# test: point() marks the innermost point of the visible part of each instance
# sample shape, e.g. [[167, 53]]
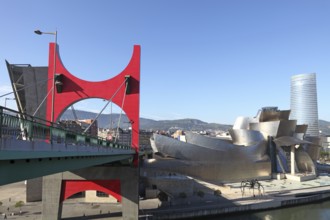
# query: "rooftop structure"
[[81, 125]]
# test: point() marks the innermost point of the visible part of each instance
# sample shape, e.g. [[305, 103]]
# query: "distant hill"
[[324, 126], [148, 124], [184, 124], [104, 121]]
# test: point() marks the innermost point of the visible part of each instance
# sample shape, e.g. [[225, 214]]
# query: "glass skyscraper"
[[304, 102]]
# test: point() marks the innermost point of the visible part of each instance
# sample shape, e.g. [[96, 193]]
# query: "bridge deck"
[[31, 147]]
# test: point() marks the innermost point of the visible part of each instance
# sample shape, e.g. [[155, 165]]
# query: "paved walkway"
[[275, 191], [72, 208]]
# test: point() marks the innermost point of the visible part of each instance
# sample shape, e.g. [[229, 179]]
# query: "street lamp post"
[[54, 69], [8, 99]]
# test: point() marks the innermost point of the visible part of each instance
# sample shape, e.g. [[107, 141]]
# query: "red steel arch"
[[71, 187], [75, 89]]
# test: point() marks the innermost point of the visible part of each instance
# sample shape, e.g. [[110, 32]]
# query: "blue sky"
[[209, 60]]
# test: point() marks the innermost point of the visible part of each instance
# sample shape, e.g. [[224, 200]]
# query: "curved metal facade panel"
[[215, 159], [213, 171], [304, 162], [314, 149], [242, 123], [275, 128], [245, 137], [274, 115], [304, 102], [246, 156], [208, 142], [256, 152], [184, 151]]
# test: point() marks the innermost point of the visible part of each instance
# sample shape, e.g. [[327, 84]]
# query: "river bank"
[[277, 194]]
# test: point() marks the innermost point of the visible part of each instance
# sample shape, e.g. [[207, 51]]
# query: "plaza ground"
[[276, 193]]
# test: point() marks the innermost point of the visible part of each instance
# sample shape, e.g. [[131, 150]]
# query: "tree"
[[162, 196]]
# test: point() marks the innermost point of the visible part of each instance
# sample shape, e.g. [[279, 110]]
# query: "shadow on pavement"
[[100, 216]]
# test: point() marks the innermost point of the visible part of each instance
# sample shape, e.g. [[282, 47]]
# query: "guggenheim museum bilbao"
[[269, 145]]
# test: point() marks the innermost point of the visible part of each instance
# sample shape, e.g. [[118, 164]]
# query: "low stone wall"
[[174, 185]]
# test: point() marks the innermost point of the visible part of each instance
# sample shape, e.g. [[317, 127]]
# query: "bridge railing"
[[21, 126]]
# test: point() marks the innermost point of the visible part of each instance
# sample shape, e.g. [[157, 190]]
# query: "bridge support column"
[[130, 193], [292, 155], [51, 197], [129, 189]]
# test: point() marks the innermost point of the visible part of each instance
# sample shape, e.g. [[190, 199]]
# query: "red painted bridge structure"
[[73, 89]]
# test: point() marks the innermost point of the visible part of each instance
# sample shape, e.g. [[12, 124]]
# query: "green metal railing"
[[21, 126]]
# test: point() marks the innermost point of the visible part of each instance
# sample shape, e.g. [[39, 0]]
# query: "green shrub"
[[200, 193], [183, 195], [217, 192], [162, 196], [95, 206], [324, 154], [19, 204]]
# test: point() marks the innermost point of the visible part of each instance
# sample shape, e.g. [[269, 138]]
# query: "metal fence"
[[25, 127]]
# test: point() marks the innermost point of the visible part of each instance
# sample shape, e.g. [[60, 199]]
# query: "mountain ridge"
[[187, 124]]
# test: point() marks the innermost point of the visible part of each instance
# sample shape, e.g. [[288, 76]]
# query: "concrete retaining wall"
[[174, 185], [216, 210]]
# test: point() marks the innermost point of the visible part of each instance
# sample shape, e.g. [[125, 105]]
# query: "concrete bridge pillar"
[[130, 194], [51, 197], [129, 189], [292, 155]]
